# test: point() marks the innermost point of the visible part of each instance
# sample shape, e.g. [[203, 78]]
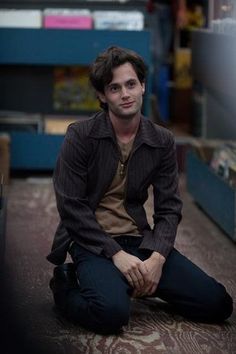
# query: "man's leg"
[[191, 292], [101, 303]]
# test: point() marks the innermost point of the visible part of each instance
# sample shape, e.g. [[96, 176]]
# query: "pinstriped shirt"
[[85, 168]]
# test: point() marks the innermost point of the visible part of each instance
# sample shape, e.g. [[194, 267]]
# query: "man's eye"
[[114, 88], [131, 84]]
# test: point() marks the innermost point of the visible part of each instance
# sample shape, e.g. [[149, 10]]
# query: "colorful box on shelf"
[[182, 68], [118, 20], [67, 19], [20, 18]]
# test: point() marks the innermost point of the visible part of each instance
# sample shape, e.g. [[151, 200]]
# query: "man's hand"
[[152, 276], [142, 276], [133, 269]]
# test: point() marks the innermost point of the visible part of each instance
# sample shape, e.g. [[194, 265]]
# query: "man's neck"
[[125, 129]]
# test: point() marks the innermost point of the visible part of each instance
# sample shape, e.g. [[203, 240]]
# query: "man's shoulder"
[[82, 127], [162, 134]]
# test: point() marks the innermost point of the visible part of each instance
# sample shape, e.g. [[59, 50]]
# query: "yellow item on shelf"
[[182, 68]]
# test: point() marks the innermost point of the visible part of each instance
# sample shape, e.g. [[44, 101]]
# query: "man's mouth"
[[127, 104]]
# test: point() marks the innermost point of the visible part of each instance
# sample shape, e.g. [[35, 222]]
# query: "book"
[[72, 90]]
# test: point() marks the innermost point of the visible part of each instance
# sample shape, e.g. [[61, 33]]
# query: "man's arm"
[[70, 184], [167, 203], [145, 276], [167, 214]]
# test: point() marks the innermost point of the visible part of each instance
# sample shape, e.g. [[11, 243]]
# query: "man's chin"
[[128, 114]]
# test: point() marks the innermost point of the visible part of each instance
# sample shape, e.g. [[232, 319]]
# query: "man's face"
[[124, 94]]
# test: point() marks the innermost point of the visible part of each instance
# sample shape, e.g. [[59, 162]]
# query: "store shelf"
[[34, 151], [44, 48], [212, 193], [57, 47]]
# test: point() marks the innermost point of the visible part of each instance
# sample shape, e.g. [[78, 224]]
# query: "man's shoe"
[[64, 278]]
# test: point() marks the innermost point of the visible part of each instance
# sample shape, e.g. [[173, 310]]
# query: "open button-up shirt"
[[86, 167]]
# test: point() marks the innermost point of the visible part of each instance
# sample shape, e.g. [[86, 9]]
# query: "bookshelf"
[[31, 54]]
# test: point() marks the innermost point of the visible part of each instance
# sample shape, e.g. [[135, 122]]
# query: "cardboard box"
[[54, 125], [58, 124], [211, 192]]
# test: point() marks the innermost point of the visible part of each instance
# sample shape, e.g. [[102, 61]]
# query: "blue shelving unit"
[[54, 47], [49, 47], [32, 151]]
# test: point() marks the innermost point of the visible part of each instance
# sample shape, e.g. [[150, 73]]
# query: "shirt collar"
[[148, 132]]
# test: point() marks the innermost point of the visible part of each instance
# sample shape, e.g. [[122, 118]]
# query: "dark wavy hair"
[[101, 70]]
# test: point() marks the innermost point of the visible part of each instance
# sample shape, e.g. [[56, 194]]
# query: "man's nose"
[[124, 92]]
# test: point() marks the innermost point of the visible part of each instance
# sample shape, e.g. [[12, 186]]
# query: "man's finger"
[[130, 280], [143, 269], [152, 289], [137, 279]]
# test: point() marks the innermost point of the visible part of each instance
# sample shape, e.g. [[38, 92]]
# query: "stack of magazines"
[[224, 162]]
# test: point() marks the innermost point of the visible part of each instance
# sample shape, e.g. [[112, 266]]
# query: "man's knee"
[[221, 305], [112, 317], [216, 306], [212, 305], [102, 318]]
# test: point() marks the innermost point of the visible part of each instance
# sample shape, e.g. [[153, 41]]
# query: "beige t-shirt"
[[111, 214]]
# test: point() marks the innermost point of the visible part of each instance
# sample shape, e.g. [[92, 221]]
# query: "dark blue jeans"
[[102, 301]]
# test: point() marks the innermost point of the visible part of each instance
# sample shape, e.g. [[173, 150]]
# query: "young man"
[[102, 176]]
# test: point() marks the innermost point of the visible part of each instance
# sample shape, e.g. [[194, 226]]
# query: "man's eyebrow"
[[113, 84], [118, 84]]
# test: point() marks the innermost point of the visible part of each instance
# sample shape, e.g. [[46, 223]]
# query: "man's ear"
[[101, 97], [143, 87]]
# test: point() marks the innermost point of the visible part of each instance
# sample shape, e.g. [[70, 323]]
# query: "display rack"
[[43, 48]]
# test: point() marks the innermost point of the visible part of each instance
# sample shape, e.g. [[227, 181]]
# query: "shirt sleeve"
[[167, 203], [70, 185]]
